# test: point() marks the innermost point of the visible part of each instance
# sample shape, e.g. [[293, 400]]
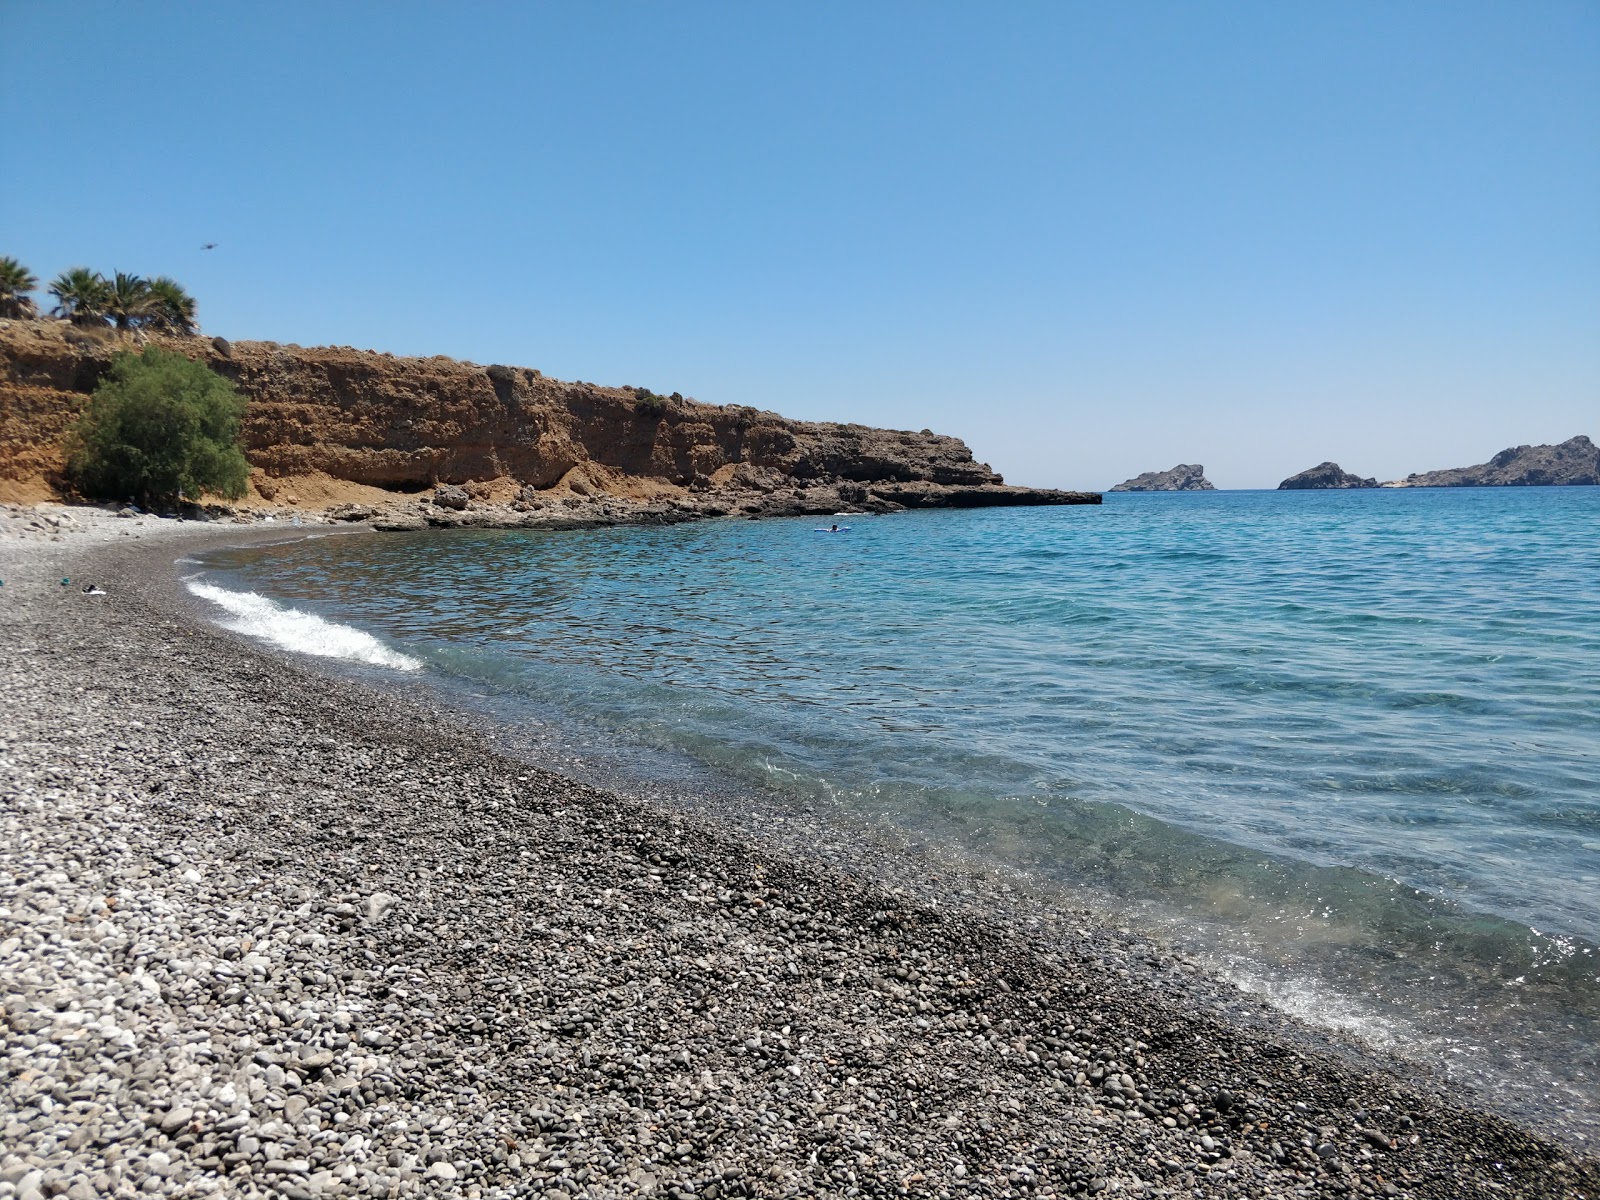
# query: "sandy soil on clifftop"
[[265, 932]]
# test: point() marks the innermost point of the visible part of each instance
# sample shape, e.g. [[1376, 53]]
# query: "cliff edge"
[[333, 423]]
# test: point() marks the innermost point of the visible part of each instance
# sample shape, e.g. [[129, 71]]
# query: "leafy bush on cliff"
[[647, 404], [159, 427], [16, 281]]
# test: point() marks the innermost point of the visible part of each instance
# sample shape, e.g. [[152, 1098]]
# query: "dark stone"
[[448, 495]]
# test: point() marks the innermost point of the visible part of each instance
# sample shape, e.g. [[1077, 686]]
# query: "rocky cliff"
[[1322, 476], [337, 423], [1573, 462], [1184, 477]]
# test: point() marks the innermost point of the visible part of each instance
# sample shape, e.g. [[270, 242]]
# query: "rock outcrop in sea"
[[1575, 462], [1324, 476], [1185, 477], [335, 425]]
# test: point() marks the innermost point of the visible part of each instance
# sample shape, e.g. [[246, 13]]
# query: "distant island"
[[1324, 476], [1185, 477], [1575, 462]]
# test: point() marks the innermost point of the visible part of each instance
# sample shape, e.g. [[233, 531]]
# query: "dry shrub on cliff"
[[159, 428]]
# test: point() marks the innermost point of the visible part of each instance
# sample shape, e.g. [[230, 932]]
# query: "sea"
[[1343, 747]]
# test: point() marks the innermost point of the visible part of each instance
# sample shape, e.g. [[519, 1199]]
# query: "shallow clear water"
[[1346, 744]]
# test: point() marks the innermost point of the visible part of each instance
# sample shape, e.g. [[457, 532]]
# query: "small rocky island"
[[1575, 462], [1328, 475], [1185, 477]]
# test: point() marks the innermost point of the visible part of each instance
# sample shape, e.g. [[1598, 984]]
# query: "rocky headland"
[[1184, 477], [1323, 476], [1574, 462], [268, 933], [418, 441]]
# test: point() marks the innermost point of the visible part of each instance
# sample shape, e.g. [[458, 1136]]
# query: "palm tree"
[[130, 304], [16, 281], [173, 309], [83, 296]]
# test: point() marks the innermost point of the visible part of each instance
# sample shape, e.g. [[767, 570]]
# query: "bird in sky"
[[209, 246]]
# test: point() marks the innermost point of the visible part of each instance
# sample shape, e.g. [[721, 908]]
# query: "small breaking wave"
[[302, 632]]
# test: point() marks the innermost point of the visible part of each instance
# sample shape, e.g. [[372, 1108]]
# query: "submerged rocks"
[[1185, 477], [1326, 475]]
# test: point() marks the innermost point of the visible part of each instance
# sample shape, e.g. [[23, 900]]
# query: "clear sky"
[[1092, 239]]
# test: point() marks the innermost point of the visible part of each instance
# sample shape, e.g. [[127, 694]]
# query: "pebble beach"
[[269, 932]]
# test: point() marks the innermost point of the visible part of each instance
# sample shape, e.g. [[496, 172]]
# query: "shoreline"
[[502, 979]]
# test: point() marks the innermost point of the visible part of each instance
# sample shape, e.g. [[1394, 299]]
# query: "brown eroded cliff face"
[[46, 369], [407, 424]]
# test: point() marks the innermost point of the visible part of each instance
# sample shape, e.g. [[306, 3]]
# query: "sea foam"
[[302, 632]]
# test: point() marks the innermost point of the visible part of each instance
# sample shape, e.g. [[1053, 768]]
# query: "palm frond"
[[16, 281], [173, 308], [83, 296], [130, 305]]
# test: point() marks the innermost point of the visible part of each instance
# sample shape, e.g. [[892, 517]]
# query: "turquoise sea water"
[[1344, 745]]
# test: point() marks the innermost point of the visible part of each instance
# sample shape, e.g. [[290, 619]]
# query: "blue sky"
[[1091, 239]]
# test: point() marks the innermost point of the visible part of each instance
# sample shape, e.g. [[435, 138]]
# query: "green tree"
[[159, 427], [172, 308], [82, 296], [16, 281], [128, 301]]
